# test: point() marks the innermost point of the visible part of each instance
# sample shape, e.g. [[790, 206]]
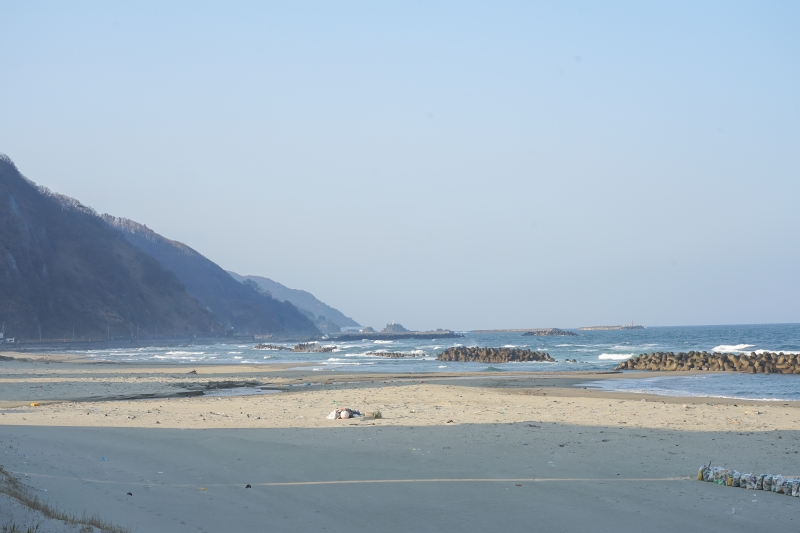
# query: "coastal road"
[[471, 477]]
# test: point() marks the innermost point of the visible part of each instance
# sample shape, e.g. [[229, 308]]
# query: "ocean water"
[[773, 387], [593, 350]]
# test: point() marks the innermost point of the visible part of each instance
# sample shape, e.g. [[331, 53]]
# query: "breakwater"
[[549, 332], [306, 347], [609, 328], [421, 335], [313, 347], [492, 355], [392, 355], [755, 363]]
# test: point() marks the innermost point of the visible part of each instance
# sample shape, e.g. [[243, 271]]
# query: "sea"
[[587, 351]]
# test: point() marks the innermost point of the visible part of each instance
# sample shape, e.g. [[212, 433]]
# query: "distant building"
[[367, 330]]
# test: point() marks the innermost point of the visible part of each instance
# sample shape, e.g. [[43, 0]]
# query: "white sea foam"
[[614, 356], [509, 346], [728, 348], [383, 342]]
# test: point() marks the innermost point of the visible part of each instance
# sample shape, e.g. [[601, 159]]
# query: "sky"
[[440, 164]]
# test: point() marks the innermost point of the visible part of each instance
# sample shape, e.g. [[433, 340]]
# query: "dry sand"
[[451, 451]]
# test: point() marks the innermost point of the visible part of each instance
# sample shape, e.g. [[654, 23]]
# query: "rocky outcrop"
[[270, 347], [549, 332], [312, 347], [393, 355], [492, 355], [762, 363], [394, 328]]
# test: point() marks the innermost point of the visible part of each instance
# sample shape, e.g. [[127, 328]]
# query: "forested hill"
[[63, 267], [232, 303]]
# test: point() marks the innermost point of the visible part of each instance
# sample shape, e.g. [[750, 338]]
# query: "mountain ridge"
[[65, 273], [235, 305], [301, 299]]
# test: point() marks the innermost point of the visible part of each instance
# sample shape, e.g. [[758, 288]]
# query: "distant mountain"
[[232, 303], [324, 316], [64, 270]]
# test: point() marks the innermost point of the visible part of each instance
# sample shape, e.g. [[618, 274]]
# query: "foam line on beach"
[[361, 481]]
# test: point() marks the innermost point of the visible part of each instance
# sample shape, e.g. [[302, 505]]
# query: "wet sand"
[[519, 451]]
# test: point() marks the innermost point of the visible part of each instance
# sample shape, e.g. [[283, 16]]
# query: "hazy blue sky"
[[462, 165]]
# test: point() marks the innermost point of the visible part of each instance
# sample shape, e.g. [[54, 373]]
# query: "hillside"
[[62, 267], [303, 300], [232, 303]]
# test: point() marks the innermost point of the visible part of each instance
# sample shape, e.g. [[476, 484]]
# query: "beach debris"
[[130, 494], [450, 421], [248, 486], [755, 363], [103, 459], [343, 413], [376, 415], [34, 404], [192, 372], [733, 478]]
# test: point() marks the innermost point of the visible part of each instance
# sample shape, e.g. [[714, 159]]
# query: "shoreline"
[[512, 444], [52, 381], [163, 378]]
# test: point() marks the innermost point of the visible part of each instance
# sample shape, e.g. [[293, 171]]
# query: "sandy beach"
[[467, 451]]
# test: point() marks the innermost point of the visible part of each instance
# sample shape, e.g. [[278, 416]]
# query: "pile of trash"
[[734, 478], [344, 412]]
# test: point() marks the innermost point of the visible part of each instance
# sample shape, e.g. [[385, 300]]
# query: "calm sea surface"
[[592, 350]]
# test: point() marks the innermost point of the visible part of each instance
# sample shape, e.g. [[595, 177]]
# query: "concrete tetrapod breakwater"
[[392, 355], [765, 362], [492, 355]]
